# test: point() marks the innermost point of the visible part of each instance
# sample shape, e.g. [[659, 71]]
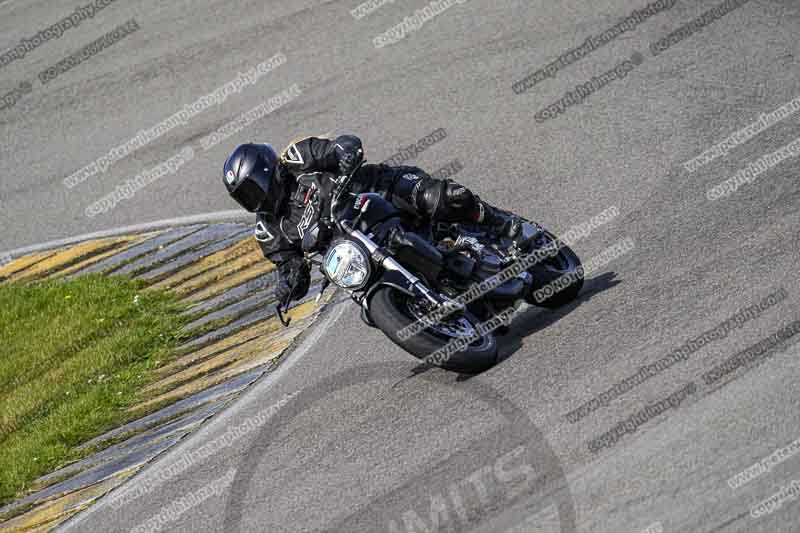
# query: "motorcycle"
[[434, 290]]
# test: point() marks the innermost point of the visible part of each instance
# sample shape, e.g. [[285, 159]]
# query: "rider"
[[288, 200]]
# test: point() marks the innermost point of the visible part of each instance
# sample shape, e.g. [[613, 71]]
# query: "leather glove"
[[293, 274], [349, 153]]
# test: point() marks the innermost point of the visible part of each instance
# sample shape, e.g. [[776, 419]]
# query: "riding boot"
[[496, 221], [505, 224]]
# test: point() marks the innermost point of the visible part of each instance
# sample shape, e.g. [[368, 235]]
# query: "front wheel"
[[393, 311], [558, 279]]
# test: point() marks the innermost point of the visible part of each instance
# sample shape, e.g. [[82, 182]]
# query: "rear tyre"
[[393, 310]]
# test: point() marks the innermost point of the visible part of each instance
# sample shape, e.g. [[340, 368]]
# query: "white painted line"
[[138, 228]]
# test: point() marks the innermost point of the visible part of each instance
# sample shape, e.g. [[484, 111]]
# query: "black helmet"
[[253, 179]]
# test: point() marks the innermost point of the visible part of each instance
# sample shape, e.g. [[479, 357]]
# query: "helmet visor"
[[249, 194]]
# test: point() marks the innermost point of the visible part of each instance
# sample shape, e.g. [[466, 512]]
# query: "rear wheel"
[[557, 280], [393, 311]]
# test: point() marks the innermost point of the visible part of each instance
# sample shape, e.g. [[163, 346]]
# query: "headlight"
[[347, 265]]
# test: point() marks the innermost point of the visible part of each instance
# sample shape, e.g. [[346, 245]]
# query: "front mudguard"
[[388, 278]]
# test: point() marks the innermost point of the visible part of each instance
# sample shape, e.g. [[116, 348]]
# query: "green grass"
[[74, 355]]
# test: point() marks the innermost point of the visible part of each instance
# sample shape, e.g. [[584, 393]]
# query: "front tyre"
[[557, 279], [393, 311]]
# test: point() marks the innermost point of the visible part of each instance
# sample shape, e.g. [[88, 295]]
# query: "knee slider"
[[431, 198], [456, 203]]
